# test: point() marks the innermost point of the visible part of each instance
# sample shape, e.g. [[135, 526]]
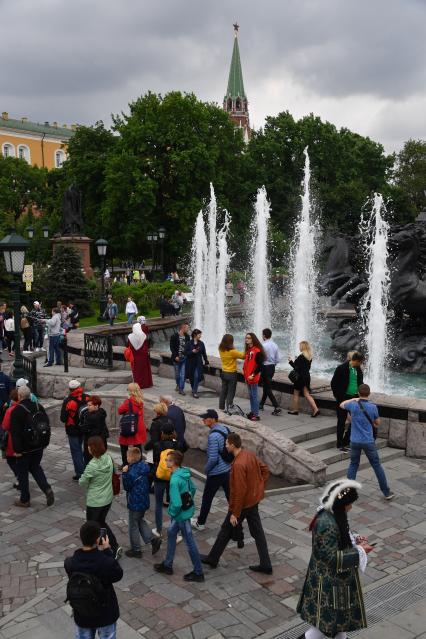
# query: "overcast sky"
[[358, 63]]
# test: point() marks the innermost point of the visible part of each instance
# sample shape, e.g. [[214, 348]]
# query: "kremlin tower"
[[235, 101]]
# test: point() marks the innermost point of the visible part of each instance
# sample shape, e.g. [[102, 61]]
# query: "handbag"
[[129, 423], [115, 483], [293, 376], [128, 355], [375, 429]]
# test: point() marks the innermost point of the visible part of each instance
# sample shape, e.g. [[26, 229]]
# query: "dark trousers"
[[342, 437], [28, 338], [11, 462], [123, 448], [256, 531], [212, 485], [99, 514], [54, 350], [38, 336], [267, 373], [10, 339], [30, 463], [227, 392]]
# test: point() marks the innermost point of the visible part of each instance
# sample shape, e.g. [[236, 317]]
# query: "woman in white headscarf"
[[141, 367]]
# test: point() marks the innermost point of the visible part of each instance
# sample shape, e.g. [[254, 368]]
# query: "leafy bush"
[[146, 295]]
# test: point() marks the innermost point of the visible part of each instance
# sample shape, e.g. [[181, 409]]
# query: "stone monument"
[[72, 228]]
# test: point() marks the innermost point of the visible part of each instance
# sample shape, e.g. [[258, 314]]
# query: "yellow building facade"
[[44, 145]]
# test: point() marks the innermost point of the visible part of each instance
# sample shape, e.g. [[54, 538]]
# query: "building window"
[[229, 104], [59, 158], [8, 150], [238, 104], [24, 153]]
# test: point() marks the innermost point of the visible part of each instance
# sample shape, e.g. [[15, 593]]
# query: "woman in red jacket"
[[9, 453], [135, 404], [254, 356]]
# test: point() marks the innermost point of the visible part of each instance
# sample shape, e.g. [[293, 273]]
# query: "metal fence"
[[29, 364], [98, 351]]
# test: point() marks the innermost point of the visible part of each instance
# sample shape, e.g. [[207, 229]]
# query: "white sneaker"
[[43, 349], [179, 538], [26, 352], [37, 349], [156, 533], [196, 525]]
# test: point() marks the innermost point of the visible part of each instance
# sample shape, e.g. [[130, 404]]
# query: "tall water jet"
[[303, 274], [259, 294], [210, 263], [374, 310]]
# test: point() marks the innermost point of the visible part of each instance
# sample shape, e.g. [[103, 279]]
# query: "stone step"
[[314, 431], [340, 468], [327, 444]]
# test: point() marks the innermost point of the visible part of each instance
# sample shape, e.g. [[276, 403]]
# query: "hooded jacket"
[[180, 482], [136, 485], [102, 564], [69, 410], [97, 477]]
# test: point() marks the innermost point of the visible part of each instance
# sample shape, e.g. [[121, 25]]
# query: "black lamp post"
[[14, 247], [162, 235], [102, 246], [152, 239], [45, 230], [30, 232]]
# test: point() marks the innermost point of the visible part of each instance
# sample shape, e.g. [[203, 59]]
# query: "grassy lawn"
[[93, 320]]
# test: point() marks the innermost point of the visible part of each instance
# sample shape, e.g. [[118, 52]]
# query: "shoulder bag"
[[375, 429]]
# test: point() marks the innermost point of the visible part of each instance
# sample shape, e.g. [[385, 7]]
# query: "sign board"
[[28, 286], [28, 274]]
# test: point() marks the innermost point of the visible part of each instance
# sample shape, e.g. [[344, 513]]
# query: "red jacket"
[[9, 452], [69, 409], [251, 365], [140, 437]]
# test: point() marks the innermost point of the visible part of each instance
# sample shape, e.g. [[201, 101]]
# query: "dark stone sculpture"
[[72, 221], [408, 288]]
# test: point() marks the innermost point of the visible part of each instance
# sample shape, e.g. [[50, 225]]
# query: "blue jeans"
[[185, 528], [138, 528], [76, 448], [254, 400], [130, 318], [373, 457], [160, 487], [180, 373], [106, 632], [196, 379], [54, 350]]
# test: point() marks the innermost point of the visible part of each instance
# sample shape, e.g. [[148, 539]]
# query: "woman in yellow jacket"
[[228, 355]]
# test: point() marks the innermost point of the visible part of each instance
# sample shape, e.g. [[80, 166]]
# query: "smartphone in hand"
[[103, 535]]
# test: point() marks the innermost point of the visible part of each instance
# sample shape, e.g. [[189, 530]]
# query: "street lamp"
[[45, 230], [30, 232], [152, 239], [102, 246], [162, 235], [14, 247]]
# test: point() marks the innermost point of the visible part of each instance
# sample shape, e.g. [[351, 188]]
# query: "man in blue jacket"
[[216, 469]]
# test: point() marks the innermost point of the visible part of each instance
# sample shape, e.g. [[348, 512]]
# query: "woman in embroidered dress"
[[331, 600]]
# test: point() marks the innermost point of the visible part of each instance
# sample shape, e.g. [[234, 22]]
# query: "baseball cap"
[[210, 414], [74, 384], [21, 382]]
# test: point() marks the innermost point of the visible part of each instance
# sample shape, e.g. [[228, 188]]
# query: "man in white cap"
[[24, 382], [70, 416]]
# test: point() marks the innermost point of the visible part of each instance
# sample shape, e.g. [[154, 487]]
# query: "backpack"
[[86, 594], [81, 414], [162, 471], [81, 406], [226, 456], [235, 410], [129, 423], [24, 322], [36, 433]]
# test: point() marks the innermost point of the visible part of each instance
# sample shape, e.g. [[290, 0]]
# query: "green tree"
[[410, 176], [21, 187], [63, 280]]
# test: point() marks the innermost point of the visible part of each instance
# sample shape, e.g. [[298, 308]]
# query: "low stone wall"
[[283, 457]]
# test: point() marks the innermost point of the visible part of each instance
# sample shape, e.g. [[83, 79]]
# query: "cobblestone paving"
[[232, 602]]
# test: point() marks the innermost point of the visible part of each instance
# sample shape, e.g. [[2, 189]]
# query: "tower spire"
[[235, 100]]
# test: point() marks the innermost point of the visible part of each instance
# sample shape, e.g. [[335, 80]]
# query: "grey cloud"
[[82, 60]]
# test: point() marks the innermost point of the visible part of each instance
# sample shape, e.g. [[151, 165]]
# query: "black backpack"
[[129, 423], [224, 454], [86, 594], [81, 405], [36, 433]]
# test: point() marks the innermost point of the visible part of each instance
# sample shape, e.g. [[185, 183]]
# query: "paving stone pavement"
[[232, 602]]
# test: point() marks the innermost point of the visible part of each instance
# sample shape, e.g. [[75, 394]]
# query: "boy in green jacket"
[[181, 509]]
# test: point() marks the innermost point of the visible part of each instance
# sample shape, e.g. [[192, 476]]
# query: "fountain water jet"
[[303, 272], [375, 304], [210, 263], [259, 297]]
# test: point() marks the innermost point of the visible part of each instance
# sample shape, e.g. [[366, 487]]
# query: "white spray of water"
[[259, 296], [374, 309], [210, 263], [303, 273]]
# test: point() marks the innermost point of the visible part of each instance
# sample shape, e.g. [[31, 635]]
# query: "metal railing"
[[98, 351], [29, 364]]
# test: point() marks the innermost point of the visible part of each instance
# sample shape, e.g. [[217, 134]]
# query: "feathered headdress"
[[340, 489]]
